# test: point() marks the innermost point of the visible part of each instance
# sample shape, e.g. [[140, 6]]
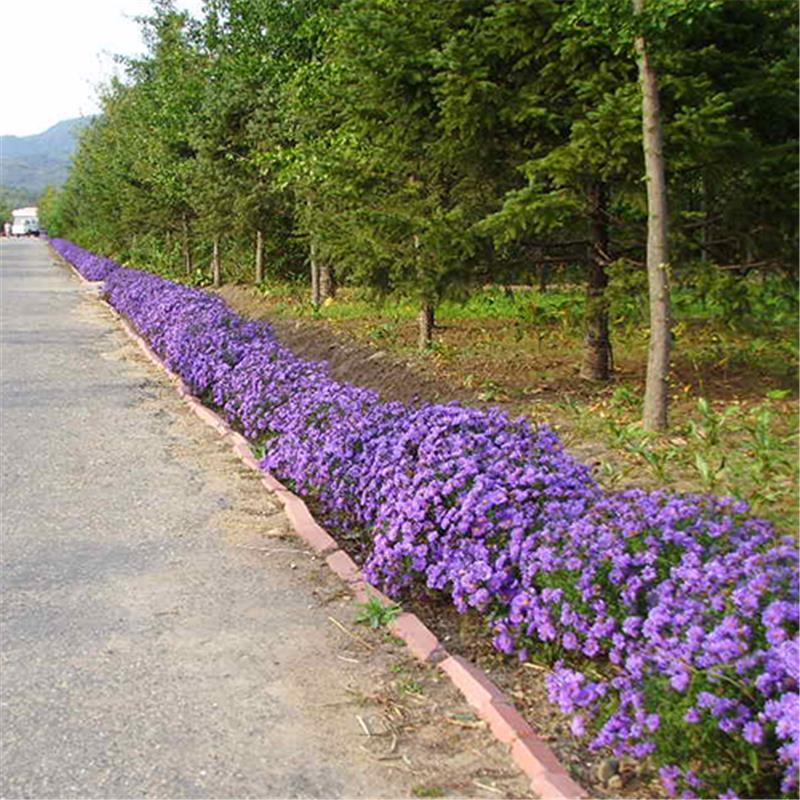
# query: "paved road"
[[159, 637]]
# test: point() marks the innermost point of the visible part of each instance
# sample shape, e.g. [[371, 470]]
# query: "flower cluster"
[[673, 618], [92, 266]]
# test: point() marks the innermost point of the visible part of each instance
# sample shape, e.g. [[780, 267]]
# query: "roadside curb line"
[[548, 777]]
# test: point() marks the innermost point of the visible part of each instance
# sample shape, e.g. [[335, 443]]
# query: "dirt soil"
[[350, 361]]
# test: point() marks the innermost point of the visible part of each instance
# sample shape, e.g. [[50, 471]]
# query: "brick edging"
[[548, 777]]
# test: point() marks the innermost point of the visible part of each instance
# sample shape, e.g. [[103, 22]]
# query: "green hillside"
[[30, 163]]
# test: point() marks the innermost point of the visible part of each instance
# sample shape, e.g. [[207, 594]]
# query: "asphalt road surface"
[[159, 637]]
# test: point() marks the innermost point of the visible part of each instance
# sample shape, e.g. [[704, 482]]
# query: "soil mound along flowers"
[[671, 620]]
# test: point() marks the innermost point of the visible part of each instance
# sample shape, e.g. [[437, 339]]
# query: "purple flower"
[[753, 733], [692, 716], [669, 778], [577, 726]]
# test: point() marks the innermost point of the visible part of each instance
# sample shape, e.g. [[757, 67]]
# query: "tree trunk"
[[705, 230], [425, 321], [544, 277], [188, 263], [425, 318], [259, 256], [216, 271], [596, 365], [316, 284], [327, 281], [316, 297], [656, 394]]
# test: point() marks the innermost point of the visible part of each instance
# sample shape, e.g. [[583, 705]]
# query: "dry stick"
[[380, 758], [464, 724], [420, 701], [269, 551], [364, 725], [352, 635], [487, 787]]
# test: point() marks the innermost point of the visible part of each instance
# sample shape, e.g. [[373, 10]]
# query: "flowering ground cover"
[[671, 620], [93, 267]]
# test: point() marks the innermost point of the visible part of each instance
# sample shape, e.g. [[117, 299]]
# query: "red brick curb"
[[506, 722], [344, 566], [305, 526], [473, 683], [364, 592], [418, 637], [273, 484], [207, 415], [549, 779]]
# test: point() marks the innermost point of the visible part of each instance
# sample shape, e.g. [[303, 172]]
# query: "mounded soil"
[[350, 361]]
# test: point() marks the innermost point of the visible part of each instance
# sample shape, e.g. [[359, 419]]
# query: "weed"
[[609, 474], [490, 391], [420, 790], [709, 476], [410, 686], [707, 431], [628, 435], [199, 278], [657, 458], [385, 332], [259, 450], [377, 615], [767, 449], [623, 397], [778, 394]]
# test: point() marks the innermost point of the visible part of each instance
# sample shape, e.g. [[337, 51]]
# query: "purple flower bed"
[[92, 266], [672, 620]]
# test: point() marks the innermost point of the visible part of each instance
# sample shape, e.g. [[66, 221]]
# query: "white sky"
[[55, 53]]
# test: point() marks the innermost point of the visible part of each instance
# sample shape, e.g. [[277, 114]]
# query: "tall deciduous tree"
[[656, 396]]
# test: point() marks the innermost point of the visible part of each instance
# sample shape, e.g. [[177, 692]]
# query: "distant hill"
[[30, 163]]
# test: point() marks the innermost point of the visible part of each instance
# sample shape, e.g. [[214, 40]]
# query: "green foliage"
[[748, 452], [50, 212], [423, 790], [12, 197], [425, 150], [377, 615]]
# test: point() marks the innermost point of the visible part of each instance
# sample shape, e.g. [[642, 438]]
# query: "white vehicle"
[[25, 221]]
